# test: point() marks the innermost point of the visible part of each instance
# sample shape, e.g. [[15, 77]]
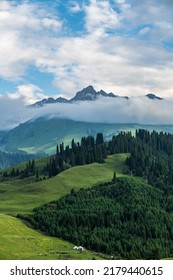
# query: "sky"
[[56, 48]]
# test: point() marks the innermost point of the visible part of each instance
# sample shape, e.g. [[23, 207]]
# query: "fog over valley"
[[103, 110]]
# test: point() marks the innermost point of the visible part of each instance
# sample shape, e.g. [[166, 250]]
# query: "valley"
[[131, 172], [86, 133], [40, 136]]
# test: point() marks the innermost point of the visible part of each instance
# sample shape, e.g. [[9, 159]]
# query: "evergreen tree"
[[114, 179]]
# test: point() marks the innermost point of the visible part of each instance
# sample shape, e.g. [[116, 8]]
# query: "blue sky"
[[53, 48]]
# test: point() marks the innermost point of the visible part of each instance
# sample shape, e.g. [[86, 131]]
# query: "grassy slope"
[[22, 196], [39, 162], [20, 242]]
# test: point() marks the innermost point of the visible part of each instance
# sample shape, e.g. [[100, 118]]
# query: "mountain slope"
[[128, 219], [19, 242], [42, 135], [21, 196]]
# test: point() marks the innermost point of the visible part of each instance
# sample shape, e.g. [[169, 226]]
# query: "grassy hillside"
[[39, 162], [18, 242], [127, 218], [21, 196]]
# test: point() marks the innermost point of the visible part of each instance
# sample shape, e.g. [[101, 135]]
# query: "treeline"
[[152, 158], [151, 155], [11, 159], [125, 218], [89, 150], [29, 170]]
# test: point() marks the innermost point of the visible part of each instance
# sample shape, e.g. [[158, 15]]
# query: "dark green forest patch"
[[126, 218]]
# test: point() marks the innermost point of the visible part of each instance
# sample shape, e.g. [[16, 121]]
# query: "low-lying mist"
[[104, 110]]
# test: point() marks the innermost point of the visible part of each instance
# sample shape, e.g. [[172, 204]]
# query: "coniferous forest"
[[11, 159], [126, 217], [151, 156]]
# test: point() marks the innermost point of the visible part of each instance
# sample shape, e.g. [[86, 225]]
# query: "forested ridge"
[[126, 219], [151, 156], [11, 159]]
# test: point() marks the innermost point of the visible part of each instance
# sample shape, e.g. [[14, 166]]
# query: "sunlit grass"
[[23, 195], [19, 242]]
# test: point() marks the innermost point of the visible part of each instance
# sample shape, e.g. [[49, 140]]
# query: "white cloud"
[[120, 1], [113, 110], [13, 112], [145, 30], [100, 17], [25, 31], [28, 93], [75, 7], [104, 110], [127, 69], [109, 56]]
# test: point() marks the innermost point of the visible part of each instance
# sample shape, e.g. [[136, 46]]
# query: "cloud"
[[13, 112], [75, 7], [29, 93], [140, 110], [100, 17], [121, 47], [113, 110], [135, 68], [145, 30], [25, 32], [166, 2], [13, 106]]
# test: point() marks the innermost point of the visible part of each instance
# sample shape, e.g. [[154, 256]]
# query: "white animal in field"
[[79, 248]]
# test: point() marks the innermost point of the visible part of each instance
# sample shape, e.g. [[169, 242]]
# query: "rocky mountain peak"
[[86, 94], [153, 96]]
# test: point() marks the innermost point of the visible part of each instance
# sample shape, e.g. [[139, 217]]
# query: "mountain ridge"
[[86, 94]]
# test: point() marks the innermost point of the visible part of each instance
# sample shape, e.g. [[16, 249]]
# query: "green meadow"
[[21, 196], [21, 242], [17, 240]]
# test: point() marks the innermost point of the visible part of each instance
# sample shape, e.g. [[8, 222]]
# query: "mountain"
[[42, 135], [11, 159], [153, 96], [49, 100], [86, 94], [2, 134], [89, 93]]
